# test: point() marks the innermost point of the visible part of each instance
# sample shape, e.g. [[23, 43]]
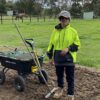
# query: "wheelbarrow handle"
[[30, 42], [29, 39]]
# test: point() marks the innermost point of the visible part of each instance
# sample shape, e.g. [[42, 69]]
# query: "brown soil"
[[87, 86]]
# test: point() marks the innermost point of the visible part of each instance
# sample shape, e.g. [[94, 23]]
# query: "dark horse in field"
[[20, 16]]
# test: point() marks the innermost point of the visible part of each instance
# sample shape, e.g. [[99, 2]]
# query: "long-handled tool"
[[35, 58]]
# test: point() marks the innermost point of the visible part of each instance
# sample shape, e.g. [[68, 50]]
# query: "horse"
[[20, 16]]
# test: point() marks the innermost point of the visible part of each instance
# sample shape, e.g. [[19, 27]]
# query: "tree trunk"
[[1, 19]]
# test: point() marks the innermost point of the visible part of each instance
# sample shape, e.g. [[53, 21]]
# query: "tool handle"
[[52, 91]]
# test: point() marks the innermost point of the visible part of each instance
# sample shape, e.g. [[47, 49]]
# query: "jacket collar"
[[60, 27]]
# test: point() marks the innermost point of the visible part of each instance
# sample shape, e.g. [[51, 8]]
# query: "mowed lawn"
[[88, 30]]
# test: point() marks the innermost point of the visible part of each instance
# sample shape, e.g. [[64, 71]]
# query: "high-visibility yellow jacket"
[[64, 38]]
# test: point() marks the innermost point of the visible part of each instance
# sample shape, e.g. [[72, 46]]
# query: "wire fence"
[[30, 19]]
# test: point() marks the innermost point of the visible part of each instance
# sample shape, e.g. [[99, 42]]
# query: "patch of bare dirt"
[[87, 86]]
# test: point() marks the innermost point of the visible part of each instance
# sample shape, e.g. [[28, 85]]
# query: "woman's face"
[[64, 21]]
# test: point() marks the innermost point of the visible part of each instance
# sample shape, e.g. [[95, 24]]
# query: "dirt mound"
[[87, 86]]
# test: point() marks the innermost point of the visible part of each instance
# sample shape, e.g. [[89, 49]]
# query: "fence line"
[[36, 18]]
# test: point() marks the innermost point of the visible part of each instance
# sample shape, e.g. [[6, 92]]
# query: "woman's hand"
[[63, 52]]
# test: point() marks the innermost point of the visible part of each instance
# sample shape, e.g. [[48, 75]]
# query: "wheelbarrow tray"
[[22, 62]]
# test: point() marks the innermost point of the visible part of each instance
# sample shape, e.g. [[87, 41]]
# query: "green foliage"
[[37, 9], [2, 6], [9, 6], [3, 1], [87, 7], [76, 10], [96, 7], [22, 6]]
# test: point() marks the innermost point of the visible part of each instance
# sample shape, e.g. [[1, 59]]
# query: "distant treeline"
[[51, 7]]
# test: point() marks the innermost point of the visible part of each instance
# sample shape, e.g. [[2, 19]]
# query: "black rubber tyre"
[[44, 73], [19, 83], [2, 77]]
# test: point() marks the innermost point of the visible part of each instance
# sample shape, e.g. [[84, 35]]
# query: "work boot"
[[58, 93], [70, 97]]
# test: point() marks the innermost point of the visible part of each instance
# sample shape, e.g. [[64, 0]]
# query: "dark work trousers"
[[69, 71]]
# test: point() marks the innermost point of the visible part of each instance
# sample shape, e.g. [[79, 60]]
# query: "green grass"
[[88, 30]]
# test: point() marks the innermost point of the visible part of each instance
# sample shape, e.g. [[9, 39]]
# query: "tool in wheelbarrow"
[[35, 58]]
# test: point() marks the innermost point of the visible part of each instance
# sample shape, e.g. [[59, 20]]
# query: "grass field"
[[88, 30]]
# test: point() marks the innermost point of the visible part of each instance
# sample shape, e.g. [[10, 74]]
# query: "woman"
[[64, 43]]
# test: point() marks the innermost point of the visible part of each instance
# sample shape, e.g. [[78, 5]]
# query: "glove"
[[49, 54]]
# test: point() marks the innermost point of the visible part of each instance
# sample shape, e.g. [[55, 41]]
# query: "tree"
[[2, 6], [76, 10], [3, 1], [96, 7], [87, 7], [9, 6], [76, 1], [53, 7], [28, 6], [37, 9]]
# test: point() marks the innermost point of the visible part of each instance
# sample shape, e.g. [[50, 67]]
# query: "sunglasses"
[[63, 18]]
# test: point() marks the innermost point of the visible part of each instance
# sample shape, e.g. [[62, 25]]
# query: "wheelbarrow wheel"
[[2, 77], [44, 73], [19, 83]]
